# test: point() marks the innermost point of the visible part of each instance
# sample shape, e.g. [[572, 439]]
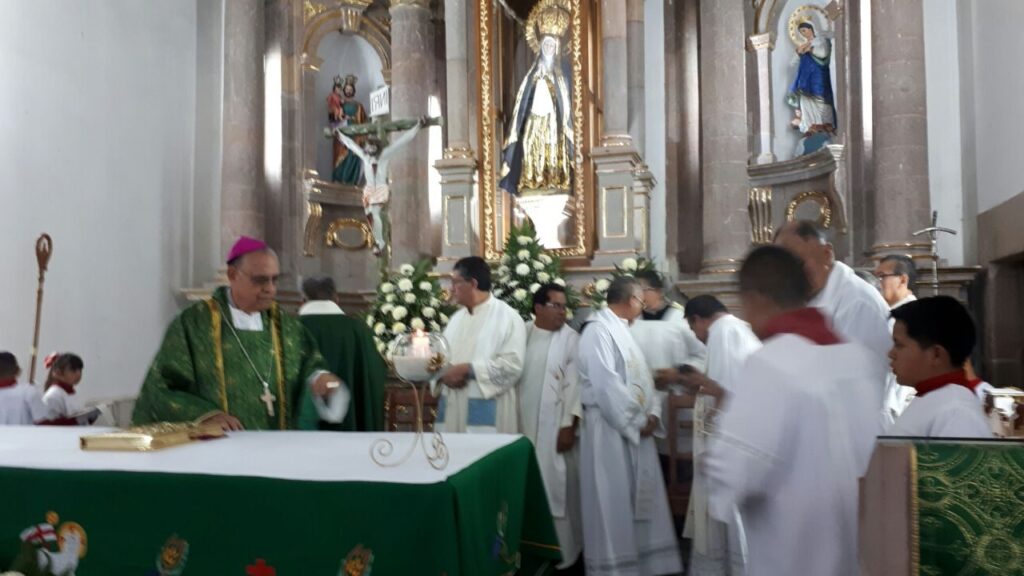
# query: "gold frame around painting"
[[494, 218]]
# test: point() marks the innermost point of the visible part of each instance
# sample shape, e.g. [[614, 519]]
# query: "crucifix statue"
[[933, 235], [376, 157]]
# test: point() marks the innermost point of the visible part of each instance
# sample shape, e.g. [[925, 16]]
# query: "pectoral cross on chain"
[[268, 399]]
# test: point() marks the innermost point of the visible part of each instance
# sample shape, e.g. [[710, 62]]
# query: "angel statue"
[[538, 154], [810, 95]]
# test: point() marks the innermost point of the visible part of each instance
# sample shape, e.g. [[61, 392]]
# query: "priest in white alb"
[[627, 527], [487, 339], [550, 412], [789, 444]]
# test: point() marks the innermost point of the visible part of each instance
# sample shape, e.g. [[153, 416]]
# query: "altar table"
[[277, 504]]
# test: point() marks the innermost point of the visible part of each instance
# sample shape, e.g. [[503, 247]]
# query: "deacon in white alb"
[[932, 340], [488, 342], [627, 528], [550, 412], [791, 441]]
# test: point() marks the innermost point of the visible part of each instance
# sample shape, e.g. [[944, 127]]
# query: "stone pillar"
[[458, 75], [900, 125], [616, 75], [761, 46], [724, 144], [636, 115], [242, 202], [412, 84]]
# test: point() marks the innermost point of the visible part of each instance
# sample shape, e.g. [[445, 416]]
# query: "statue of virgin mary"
[[538, 154]]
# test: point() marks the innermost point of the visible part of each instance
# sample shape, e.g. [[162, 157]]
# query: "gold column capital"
[[425, 4]]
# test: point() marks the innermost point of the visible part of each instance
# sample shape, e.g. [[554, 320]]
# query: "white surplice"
[[59, 403], [897, 397], [549, 399], [627, 527], [493, 340], [730, 342], [952, 411], [22, 405], [786, 454]]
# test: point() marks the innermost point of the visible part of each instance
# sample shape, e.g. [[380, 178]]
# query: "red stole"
[[66, 387], [8, 383], [806, 322], [958, 377]]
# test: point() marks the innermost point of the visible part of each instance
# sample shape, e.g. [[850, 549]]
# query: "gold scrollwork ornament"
[[820, 198], [335, 237]]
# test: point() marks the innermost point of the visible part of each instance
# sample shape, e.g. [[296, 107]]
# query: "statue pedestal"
[[458, 186], [622, 203]]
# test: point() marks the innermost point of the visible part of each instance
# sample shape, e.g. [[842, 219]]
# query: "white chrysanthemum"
[[502, 270], [399, 313], [417, 324], [429, 312], [389, 298], [498, 292], [544, 277], [435, 326], [603, 305], [524, 239], [405, 285], [386, 309], [387, 287], [629, 264], [546, 259], [398, 328], [568, 313], [523, 254], [534, 287], [426, 286], [538, 265], [560, 282], [379, 328], [519, 294], [381, 347], [522, 269], [406, 269], [602, 285], [434, 302], [444, 318], [369, 321], [513, 284], [410, 298], [504, 259]]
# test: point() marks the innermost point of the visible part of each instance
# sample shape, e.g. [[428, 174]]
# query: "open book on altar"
[[151, 437]]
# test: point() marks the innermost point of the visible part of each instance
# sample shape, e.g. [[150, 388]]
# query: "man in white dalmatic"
[[627, 527], [488, 342], [790, 443], [550, 412]]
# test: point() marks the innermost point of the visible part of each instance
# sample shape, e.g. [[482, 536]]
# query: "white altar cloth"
[[310, 456]]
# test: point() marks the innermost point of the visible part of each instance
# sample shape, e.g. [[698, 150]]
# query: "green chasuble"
[[200, 368], [347, 346]]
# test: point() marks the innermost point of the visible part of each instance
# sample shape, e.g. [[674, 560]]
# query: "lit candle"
[[420, 344]]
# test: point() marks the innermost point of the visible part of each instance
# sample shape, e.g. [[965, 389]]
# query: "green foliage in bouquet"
[[524, 268], [407, 300], [598, 291]]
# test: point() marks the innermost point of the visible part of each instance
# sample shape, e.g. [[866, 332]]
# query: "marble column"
[[724, 143], [900, 125], [242, 204], [616, 74], [761, 46], [458, 76], [636, 114], [412, 85]]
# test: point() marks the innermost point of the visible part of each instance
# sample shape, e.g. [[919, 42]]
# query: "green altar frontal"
[[488, 518], [943, 507]]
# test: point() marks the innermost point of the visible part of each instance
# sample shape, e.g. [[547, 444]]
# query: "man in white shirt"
[[21, 403], [627, 528], [550, 412], [897, 277], [791, 441], [488, 342], [932, 340]]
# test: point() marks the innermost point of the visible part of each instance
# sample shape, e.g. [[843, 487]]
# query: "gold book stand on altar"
[[151, 437]]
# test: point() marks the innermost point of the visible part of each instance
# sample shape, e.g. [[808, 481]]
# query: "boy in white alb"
[[21, 404], [932, 339]]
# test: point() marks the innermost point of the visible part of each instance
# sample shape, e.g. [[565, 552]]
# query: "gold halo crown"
[[548, 18]]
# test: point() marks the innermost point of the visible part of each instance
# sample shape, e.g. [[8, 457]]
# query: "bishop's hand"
[[227, 422], [325, 385]]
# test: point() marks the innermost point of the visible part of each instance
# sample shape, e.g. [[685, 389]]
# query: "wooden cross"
[[380, 128], [268, 399], [260, 568]]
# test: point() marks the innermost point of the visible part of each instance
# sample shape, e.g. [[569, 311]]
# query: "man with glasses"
[[550, 411], [897, 276], [627, 527], [237, 360]]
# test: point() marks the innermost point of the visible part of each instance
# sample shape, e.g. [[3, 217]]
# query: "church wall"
[[99, 115]]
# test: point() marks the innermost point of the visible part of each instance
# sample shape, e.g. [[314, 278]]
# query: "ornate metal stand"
[[436, 453]]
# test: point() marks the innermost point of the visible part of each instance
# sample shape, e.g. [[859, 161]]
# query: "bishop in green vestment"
[[348, 348], [238, 360]]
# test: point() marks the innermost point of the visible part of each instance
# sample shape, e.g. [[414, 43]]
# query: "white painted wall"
[[995, 46], [98, 119], [655, 128]]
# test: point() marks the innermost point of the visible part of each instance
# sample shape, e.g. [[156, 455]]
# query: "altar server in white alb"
[[932, 340], [550, 412], [854, 308], [488, 342], [627, 527], [21, 403], [792, 440]]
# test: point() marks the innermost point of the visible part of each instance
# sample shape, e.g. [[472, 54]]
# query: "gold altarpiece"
[[501, 61]]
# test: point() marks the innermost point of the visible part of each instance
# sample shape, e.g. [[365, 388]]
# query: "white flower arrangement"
[[405, 300], [598, 291], [523, 269]]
